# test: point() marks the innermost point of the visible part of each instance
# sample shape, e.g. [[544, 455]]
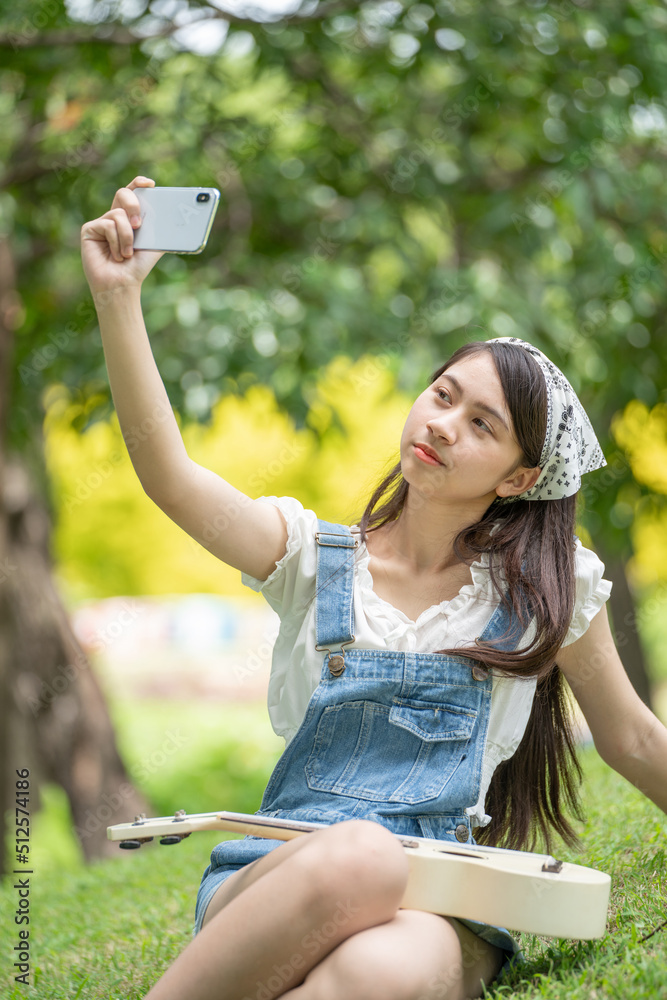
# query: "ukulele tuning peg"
[[134, 843], [174, 838], [180, 814]]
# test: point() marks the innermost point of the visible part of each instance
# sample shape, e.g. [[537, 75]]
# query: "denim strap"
[[504, 627], [334, 608]]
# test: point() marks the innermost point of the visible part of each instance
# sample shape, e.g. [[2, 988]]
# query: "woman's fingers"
[[115, 228], [141, 182], [109, 241], [104, 231], [123, 234], [127, 200]]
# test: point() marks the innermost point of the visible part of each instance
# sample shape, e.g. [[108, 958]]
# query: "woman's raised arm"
[[627, 735], [245, 533]]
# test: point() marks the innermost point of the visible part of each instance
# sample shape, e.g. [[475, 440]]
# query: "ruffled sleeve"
[[291, 585], [592, 590]]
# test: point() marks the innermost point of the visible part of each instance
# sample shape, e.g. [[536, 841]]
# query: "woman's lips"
[[426, 455]]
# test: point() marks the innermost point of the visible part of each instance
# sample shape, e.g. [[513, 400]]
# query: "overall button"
[[336, 665], [480, 672], [461, 833]]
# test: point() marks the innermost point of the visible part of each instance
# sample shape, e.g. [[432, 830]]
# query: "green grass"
[[109, 930], [624, 835]]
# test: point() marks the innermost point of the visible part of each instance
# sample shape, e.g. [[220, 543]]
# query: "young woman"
[[418, 673]]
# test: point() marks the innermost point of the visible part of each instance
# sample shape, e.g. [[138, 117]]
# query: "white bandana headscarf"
[[570, 446]]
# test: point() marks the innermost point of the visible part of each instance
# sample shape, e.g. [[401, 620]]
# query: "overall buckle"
[[336, 534], [336, 660]]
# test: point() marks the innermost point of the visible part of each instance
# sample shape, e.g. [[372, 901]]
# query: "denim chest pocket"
[[404, 752]]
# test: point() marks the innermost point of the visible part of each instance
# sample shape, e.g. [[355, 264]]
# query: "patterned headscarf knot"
[[570, 446]]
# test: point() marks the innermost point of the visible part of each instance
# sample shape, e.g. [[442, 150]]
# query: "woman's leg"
[[414, 956], [244, 877], [294, 912]]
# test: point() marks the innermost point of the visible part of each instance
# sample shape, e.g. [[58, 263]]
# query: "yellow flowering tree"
[[110, 538]]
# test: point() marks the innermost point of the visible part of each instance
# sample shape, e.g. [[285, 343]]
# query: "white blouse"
[[296, 664]]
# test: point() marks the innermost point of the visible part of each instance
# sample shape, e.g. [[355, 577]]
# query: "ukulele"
[[514, 889]]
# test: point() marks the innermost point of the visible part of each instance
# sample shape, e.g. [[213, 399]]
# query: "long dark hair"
[[533, 544]]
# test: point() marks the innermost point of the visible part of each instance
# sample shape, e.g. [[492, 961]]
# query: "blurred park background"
[[397, 179]]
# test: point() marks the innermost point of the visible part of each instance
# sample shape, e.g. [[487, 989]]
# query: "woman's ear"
[[521, 481]]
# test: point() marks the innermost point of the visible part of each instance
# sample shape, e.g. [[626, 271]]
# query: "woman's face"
[[458, 442]]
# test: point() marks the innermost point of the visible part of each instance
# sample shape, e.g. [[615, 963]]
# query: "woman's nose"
[[442, 426]]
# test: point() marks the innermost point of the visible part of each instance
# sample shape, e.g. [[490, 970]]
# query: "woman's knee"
[[415, 956], [358, 857]]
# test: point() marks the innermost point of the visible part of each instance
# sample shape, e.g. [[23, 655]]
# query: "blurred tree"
[[397, 178]]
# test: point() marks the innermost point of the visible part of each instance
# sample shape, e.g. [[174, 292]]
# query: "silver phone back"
[[173, 220]]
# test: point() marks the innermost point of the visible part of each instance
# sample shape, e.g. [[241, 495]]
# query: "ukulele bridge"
[[552, 865]]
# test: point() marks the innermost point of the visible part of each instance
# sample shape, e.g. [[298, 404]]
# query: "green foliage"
[[642, 434], [395, 178], [109, 538]]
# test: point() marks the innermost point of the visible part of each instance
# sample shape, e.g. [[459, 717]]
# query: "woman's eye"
[[483, 425], [443, 394]]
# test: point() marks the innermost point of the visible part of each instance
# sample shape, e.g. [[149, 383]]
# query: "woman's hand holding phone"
[[109, 260]]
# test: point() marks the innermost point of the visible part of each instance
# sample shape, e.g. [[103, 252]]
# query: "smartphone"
[[175, 219]]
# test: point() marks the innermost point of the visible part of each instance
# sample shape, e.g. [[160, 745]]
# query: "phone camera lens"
[[203, 196]]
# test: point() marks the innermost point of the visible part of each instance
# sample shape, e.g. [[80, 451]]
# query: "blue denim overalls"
[[394, 737]]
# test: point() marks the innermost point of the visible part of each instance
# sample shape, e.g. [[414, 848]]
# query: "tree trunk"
[[60, 720], [53, 716]]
